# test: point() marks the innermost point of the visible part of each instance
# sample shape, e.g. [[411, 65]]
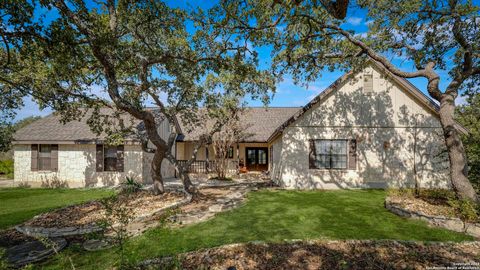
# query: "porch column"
[[238, 157]]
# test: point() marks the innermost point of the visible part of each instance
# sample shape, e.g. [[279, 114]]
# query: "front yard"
[[20, 204], [272, 216]]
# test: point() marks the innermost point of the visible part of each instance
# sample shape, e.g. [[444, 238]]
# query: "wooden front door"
[[257, 158]]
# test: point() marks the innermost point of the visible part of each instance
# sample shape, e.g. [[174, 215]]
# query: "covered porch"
[[242, 157]]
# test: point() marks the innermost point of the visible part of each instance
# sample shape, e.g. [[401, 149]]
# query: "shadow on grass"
[[274, 216]]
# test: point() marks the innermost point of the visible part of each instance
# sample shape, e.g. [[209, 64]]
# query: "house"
[[368, 129]]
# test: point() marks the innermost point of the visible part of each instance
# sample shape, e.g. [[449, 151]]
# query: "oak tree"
[[126, 55], [441, 39]]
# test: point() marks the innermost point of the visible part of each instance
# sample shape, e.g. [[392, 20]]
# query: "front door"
[[257, 158]]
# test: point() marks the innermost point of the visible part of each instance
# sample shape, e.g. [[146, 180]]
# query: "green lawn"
[[20, 204], [275, 216]]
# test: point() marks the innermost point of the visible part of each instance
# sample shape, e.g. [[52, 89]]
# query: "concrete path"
[[4, 183]]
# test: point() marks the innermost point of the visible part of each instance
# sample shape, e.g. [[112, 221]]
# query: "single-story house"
[[367, 129]]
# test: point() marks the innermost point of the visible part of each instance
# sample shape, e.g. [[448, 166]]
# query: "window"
[[230, 152], [110, 158], [45, 157], [367, 83], [328, 154], [262, 156]]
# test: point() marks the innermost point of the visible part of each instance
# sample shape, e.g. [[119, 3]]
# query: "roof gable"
[[412, 92]]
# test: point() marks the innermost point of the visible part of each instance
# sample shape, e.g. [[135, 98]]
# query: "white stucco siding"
[[76, 167], [277, 162], [384, 123], [168, 171]]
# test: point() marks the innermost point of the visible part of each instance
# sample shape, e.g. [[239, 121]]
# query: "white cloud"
[[460, 100], [316, 89], [354, 20]]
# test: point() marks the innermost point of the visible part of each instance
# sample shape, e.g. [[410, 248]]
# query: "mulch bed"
[[327, 255], [142, 202], [422, 206]]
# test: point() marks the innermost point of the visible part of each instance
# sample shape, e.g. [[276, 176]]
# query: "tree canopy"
[[125, 55], [434, 36]]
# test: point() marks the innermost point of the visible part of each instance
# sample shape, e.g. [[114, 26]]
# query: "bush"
[[130, 185], [436, 196], [466, 209], [6, 168]]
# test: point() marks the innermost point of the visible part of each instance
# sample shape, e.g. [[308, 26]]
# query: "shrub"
[[436, 196], [466, 209], [402, 192], [116, 219], [130, 185], [6, 168]]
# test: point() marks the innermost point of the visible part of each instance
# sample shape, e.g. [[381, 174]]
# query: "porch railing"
[[203, 166]]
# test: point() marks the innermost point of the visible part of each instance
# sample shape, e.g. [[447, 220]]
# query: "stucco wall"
[[76, 167], [384, 123]]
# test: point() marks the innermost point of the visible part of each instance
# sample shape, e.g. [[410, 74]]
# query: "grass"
[[274, 216], [20, 204]]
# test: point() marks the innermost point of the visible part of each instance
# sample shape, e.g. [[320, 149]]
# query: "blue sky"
[[288, 94]]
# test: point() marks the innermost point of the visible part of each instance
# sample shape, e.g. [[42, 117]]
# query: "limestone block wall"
[[76, 167]]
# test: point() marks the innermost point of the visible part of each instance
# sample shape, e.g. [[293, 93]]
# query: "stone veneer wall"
[[76, 167]]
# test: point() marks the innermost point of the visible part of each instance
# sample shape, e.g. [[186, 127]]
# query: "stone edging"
[[454, 224], [37, 231], [57, 232]]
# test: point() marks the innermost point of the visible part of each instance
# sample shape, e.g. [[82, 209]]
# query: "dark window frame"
[[42, 157], [330, 155]]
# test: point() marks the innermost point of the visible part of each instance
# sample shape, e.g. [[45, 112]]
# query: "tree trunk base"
[[158, 188]]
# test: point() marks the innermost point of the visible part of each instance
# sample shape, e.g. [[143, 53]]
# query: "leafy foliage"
[[6, 168], [468, 115], [117, 217], [466, 209], [435, 36], [126, 55], [130, 185], [8, 129]]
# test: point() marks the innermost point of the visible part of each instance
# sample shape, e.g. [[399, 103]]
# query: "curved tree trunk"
[[187, 183], [456, 151], [156, 172]]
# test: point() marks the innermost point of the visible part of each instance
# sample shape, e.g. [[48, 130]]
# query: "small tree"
[[224, 141], [117, 217]]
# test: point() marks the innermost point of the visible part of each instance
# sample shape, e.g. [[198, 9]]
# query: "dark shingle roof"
[[50, 128], [261, 122]]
